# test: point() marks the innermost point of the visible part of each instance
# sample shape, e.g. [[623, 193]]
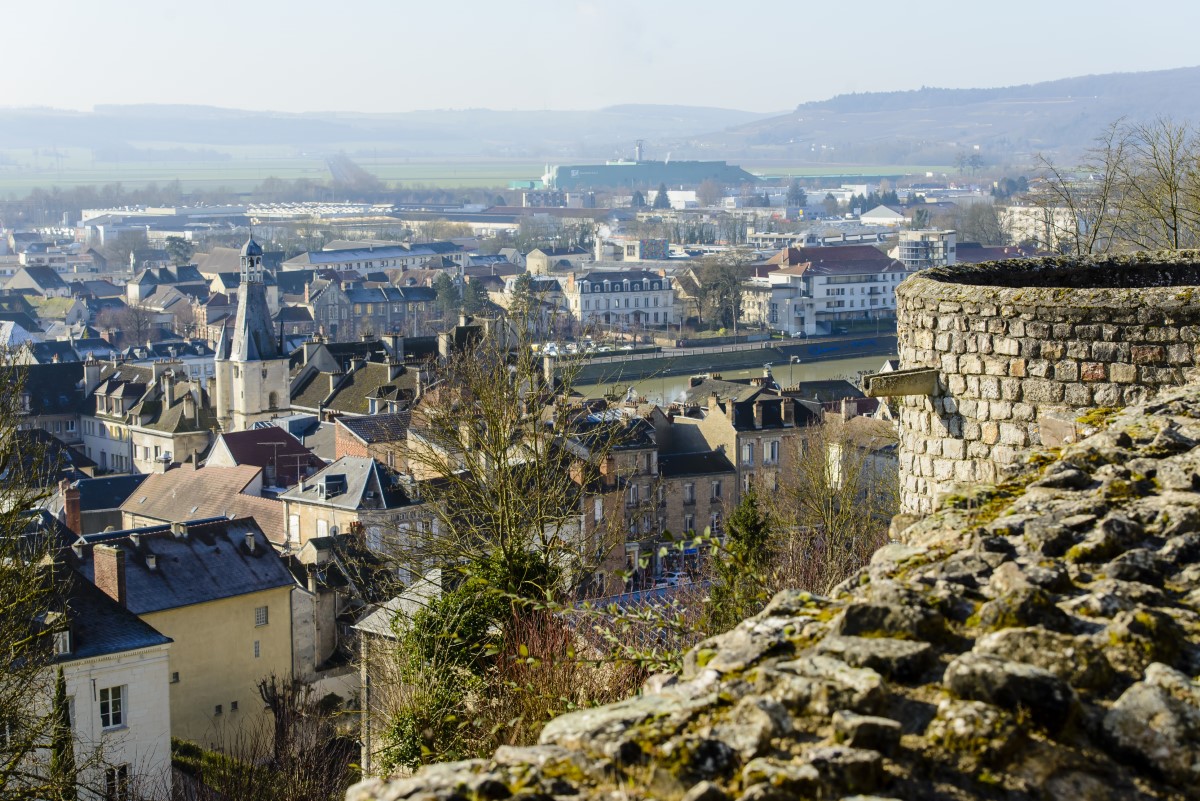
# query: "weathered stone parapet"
[[1036, 640], [1015, 341]]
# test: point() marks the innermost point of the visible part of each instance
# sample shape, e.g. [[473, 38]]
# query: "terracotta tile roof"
[[189, 494]]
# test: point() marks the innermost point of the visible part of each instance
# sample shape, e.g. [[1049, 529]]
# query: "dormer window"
[[62, 643]]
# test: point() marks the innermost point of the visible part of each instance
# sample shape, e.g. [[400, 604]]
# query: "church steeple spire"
[[252, 271]]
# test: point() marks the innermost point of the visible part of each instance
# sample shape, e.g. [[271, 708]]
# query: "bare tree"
[[832, 512], [136, 323], [492, 436], [33, 611], [1137, 188], [1159, 187]]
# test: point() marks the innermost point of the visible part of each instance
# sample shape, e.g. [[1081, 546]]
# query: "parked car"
[[675, 578]]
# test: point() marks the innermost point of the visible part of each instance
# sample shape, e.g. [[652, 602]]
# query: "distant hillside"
[[929, 125], [604, 133]]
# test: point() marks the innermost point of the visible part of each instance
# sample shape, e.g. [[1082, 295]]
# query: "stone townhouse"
[[360, 497], [221, 593], [116, 670], [754, 425], [816, 288], [625, 298], [644, 490]]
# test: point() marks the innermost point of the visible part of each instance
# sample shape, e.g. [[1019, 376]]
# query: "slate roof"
[[52, 351], [384, 619], [211, 563], [53, 388], [292, 315], [703, 463], [352, 396], [615, 276], [98, 288], [378, 427], [41, 459], [22, 319], [345, 483], [98, 624], [108, 492], [827, 390], [292, 282], [44, 277]]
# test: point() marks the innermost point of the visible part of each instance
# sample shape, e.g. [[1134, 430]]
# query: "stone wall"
[[1024, 346], [1037, 640]]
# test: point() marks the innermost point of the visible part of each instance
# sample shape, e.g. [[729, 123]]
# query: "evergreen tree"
[[796, 195], [638, 201], [661, 201], [448, 300], [739, 587], [62, 745]]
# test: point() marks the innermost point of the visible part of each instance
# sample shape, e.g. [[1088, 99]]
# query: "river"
[[666, 389]]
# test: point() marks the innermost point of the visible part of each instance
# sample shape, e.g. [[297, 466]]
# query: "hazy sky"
[[399, 55]]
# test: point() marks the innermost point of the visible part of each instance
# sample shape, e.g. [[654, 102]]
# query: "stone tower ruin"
[[996, 358]]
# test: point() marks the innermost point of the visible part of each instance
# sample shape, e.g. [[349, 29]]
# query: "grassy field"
[[243, 168]]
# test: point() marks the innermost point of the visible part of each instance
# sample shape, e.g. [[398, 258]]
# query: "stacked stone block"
[[1019, 342]]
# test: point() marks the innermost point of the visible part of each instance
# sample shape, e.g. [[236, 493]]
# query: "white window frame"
[[112, 707]]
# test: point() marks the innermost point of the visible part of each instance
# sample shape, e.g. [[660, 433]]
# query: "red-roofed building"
[[814, 289], [282, 457]]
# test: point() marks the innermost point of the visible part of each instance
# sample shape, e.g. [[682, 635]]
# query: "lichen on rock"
[[1047, 649]]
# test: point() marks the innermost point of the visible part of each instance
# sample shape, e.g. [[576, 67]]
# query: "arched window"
[[272, 401]]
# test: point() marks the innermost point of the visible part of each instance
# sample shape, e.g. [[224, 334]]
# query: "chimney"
[[714, 403], [310, 348], [71, 506], [312, 579], [151, 562], [758, 414], [251, 543], [395, 345], [789, 412], [463, 320], [730, 410], [334, 380], [109, 563], [189, 407], [849, 408], [91, 374], [179, 530]]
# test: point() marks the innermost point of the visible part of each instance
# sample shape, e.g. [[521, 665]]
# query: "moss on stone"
[[1098, 417]]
